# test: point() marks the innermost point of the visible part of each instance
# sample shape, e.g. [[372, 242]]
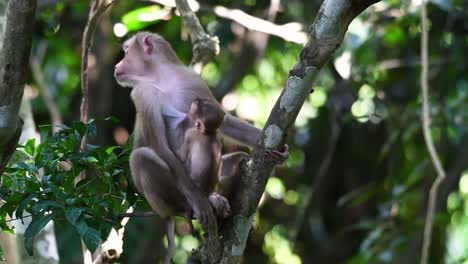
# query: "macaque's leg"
[[154, 180], [170, 240], [230, 173], [189, 218]]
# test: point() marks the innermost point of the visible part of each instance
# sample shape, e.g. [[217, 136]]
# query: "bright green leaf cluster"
[[43, 183]]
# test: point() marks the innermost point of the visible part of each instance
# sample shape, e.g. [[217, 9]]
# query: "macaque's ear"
[[148, 44], [200, 126]]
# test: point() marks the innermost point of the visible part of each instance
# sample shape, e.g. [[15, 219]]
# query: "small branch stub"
[[205, 47]]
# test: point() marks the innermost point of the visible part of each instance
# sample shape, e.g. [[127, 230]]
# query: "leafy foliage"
[[43, 184]]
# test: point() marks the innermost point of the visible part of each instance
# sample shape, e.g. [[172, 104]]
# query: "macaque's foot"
[[220, 205], [277, 156], [204, 213]]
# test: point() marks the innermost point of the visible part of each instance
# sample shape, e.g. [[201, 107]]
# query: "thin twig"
[[18, 218], [36, 61], [204, 47], [321, 173], [426, 123], [137, 214], [98, 7]]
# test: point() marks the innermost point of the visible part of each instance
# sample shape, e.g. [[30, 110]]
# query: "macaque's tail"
[[170, 239]]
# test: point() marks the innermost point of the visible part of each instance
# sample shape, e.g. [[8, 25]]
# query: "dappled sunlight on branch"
[[292, 32]]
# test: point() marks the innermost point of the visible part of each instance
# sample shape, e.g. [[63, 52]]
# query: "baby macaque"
[[200, 152]]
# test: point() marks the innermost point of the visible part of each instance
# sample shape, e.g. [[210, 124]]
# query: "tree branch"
[[205, 47], [426, 125], [327, 33], [292, 32], [98, 7], [14, 59], [36, 61]]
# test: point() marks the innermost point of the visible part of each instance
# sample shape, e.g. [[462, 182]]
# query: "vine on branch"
[[426, 125]]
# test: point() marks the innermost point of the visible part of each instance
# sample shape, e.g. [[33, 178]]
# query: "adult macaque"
[[163, 88]]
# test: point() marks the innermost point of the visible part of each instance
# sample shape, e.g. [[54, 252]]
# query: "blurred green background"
[[355, 187]]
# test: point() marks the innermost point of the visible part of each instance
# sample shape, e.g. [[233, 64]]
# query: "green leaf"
[[46, 178], [92, 239], [36, 225], [22, 205], [394, 35], [141, 17], [109, 150], [81, 228], [1, 255], [79, 127], [91, 126], [30, 146], [31, 168], [105, 228], [90, 236], [92, 159], [73, 214], [91, 148]]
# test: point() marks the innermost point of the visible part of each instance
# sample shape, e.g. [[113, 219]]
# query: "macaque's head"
[[206, 116], [145, 52]]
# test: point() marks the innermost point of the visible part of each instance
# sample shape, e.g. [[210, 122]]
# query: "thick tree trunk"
[[327, 33], [16, 28], [14, 58]]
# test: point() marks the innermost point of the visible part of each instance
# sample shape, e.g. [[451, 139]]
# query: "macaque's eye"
[[198, 125]]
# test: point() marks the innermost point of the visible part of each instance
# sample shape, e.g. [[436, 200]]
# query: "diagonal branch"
[[327, 33], [426, 125]]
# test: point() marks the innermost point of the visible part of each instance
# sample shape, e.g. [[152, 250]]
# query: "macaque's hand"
[[277, 156], [204, 213], [220, 205]]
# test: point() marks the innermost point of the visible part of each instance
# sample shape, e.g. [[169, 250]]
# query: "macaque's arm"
[[184, 149], [240, 130], [245, 133]]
